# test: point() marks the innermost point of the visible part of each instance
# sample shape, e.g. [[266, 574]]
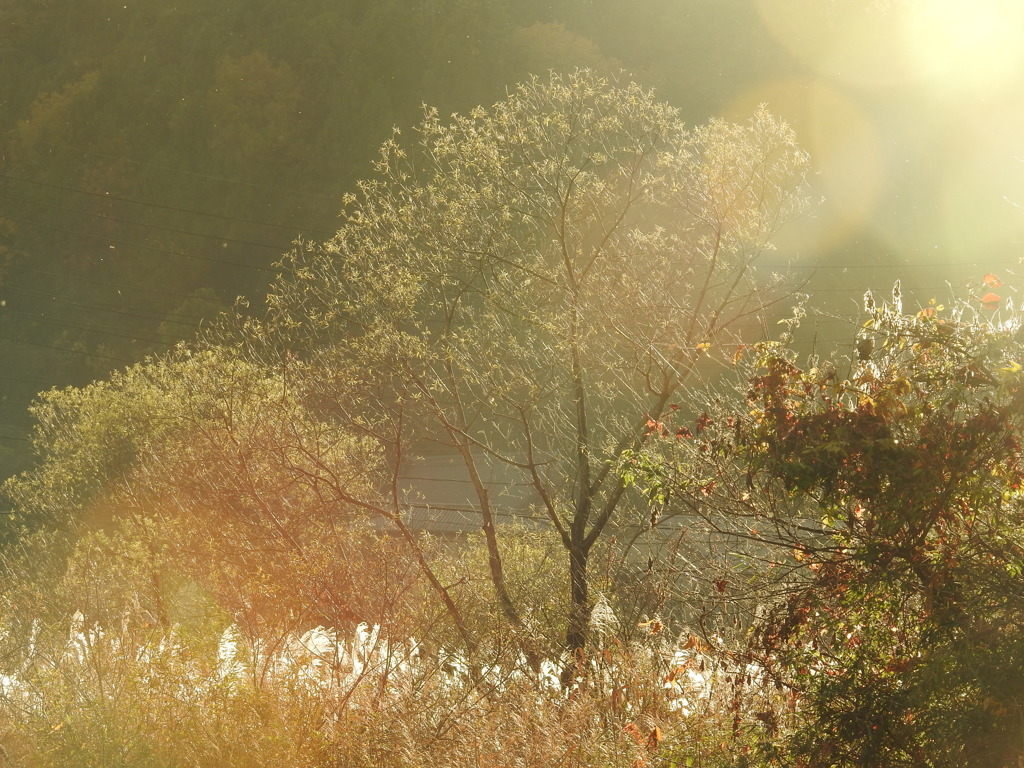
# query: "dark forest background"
[[156, 158]]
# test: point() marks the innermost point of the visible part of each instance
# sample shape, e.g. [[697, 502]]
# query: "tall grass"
[[132, 696], [140, 656]]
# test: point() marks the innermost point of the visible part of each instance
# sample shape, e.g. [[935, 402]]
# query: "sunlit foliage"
[[523, 283], [886, 510]]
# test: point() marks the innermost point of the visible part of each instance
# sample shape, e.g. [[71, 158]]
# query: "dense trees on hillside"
[[148, 153], [490, 292]]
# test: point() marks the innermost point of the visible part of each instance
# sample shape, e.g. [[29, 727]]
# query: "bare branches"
[[537, 277]]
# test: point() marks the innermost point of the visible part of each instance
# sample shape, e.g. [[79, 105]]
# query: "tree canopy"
[[524, 284]]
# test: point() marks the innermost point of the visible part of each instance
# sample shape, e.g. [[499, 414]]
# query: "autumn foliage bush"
[[884, 509]]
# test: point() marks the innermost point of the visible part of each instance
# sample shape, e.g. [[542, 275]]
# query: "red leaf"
[[991, 300], [991, 281], [655, 738], [635, 732]]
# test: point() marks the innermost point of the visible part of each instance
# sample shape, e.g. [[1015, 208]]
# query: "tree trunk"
[[577, 632]]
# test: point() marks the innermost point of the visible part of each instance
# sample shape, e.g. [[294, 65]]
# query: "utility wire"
[[951, 265], [123, 286], [96, 355], [458, 522], [84, 327], [139, 223], [172, 319], [464, 480], [182, 171], [106, 196], [108, 240], [31, 382]]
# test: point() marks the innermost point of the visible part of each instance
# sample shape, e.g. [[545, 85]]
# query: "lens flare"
[[851, 41], [947, 45], [845, 148], [960, 46]]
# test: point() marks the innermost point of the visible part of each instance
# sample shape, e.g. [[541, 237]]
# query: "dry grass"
[[98, 697]]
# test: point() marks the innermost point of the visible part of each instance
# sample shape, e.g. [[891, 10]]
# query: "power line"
[[907, 289], [458, 522], [32, 382], [108, 240], [951, 265], [172, 319], [97, 355], [182, 171], [495, 483], [106, 196], [84, 327], [79, 278], [139, 223]]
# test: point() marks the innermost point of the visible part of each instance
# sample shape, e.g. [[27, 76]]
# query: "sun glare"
[[962, 46], [847, 151], [949, 45], [911, 110]]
